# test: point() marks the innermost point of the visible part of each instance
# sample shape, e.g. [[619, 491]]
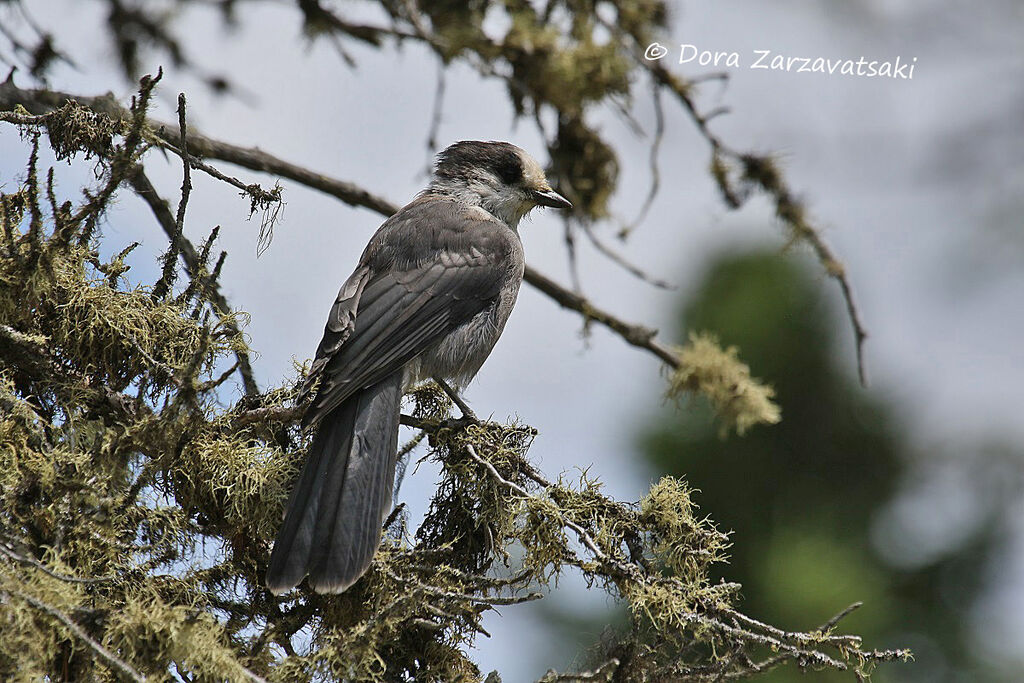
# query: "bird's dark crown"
[[464, 159]]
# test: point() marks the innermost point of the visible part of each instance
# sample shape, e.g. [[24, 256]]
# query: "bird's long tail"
[[332, 526]]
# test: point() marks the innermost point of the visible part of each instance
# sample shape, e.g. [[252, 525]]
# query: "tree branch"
[[7, 548], [161, 210], [43, 101], [637, 335], [110, 658], [761, 171]]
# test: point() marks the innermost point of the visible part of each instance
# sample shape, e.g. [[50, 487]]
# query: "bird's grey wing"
[[411, 304], [340, 323]]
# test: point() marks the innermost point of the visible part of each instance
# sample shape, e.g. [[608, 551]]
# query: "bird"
[[428, 299]]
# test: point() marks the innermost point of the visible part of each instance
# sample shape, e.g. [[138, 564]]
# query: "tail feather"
[[290, 557], [332, 527]]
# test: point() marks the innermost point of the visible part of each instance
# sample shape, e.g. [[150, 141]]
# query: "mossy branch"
[[634, 334], [118, 461]]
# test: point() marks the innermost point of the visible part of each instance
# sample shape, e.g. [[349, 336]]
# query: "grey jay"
[[428, 299]]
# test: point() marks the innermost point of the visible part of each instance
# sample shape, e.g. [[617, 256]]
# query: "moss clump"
[[137, 512], [718, 374]]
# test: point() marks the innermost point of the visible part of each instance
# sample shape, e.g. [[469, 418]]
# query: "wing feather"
[[430, 268]]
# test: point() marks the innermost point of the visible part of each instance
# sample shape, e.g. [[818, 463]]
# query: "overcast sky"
[[917, 184]]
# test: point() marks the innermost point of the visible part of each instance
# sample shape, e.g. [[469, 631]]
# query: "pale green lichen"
[[717, 374], [137, 512]]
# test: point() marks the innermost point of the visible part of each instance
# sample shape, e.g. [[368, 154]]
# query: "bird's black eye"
[[465, 159], [509, 167]]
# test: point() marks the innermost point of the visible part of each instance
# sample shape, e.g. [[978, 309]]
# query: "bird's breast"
[[458, 355]]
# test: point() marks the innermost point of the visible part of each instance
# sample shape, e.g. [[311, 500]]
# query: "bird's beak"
[[551, 198]]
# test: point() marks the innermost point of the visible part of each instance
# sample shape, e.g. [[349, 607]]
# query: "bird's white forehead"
[[533, 174]]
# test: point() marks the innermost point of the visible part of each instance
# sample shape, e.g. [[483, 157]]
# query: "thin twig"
[[186, 183], [435, 117], [293, 413], [7, 549], [837, 271], [277, 413], [750, 622], [497, 600], [794, 645], [580, 532], [110, 658], [787, 207], [652, 192], [601, 673], [45, 101], [261, 197], [637, 335], [144, 188], [570, 252], [830, 624], [467, 412], [619, 259]]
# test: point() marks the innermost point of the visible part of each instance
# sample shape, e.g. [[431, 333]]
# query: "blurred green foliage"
[[805, 499]]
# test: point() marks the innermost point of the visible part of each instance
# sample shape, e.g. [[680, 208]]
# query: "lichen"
[[708, 370], [138, 505]]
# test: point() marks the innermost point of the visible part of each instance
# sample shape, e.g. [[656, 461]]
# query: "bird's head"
[[497, 176]]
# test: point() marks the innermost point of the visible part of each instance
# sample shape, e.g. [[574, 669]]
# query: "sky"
[[916, 183]]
